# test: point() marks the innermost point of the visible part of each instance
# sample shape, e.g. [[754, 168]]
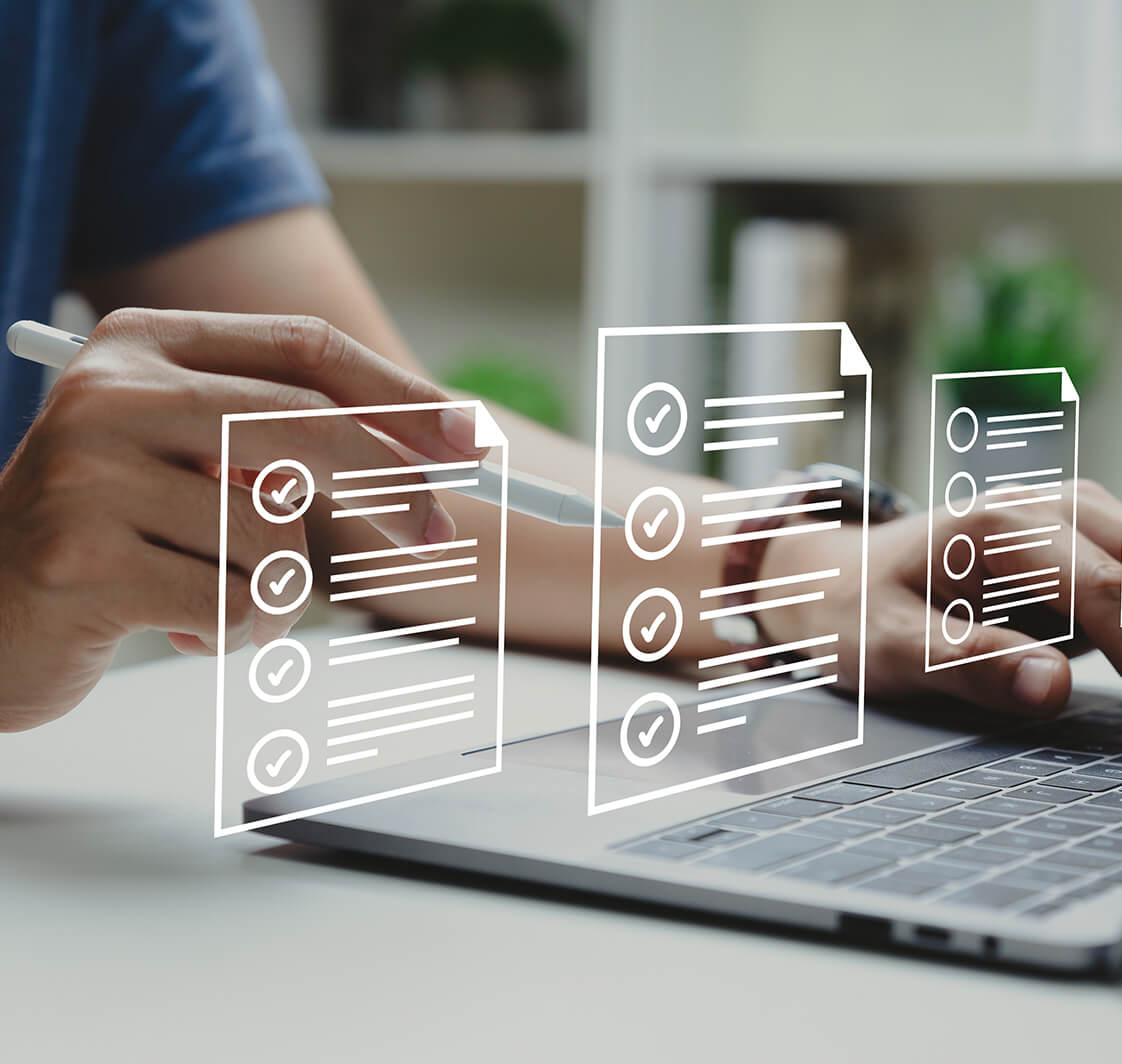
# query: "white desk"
[[128, 933]]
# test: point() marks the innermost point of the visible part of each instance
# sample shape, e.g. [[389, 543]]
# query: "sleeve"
[[188, 132]]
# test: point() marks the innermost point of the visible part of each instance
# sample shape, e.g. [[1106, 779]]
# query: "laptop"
[[1003, 844]]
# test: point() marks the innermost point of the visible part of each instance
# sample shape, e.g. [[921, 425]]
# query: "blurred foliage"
[[1016, 311], [460, 36], [504, 377]]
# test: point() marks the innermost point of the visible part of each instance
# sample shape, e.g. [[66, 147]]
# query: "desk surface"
[[129, 933]]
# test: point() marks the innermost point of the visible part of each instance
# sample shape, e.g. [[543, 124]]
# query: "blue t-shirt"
[[127, 127]]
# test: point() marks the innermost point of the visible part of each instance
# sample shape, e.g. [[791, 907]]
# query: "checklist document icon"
[[395, 683], [768, 699]]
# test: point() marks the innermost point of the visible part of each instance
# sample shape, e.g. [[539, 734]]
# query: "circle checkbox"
[[656, 419], [656, 521], [650, 729], [277, 761], [652, 624], [281, 583], [292, 479], [280, 670]]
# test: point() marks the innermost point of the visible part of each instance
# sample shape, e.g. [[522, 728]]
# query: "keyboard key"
[[980, 854], [749, 820], [950, 789], [933, 833], [836, 867], [796, 807], [881, 815], [893, 884], [1087, 890], [1039, 792], [1035, 876], [702, 835], [1080, 782], [991, 896], [1106, 801], [1060, 757], [1010, 806], [904, 774], [832, 828], [1027, 767], [668, 851], [1021, 841], [1057, 827], [971, 818], [920, 803], [895, 849], [985, 777], [1079, 859], [1088, 813], [1103, 844], [937, 873], [767, 852], [1103, 769], [843, 793]]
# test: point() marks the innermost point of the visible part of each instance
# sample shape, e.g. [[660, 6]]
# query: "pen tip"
[[610, 519]]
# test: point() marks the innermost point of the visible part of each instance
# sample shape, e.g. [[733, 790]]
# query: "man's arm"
[[296, 262]]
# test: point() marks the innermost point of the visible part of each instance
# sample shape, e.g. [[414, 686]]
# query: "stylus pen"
[[526, 494]]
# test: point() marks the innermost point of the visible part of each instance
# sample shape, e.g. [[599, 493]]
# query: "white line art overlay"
[[1015, 569], [765, 702], [310, 723]]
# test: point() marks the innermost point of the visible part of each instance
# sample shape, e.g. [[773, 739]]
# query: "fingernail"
[[459, 431], [441, 528], [1034, 679]]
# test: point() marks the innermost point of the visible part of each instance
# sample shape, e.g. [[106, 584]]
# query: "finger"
[[187, 421], [1098, 598], [177, 593], [180, 508], [1008, 679], [1099, 516], [1047, 574], [309, 353], [190, 645]]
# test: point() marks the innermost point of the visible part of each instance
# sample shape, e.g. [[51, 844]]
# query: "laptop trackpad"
[[785, 725]]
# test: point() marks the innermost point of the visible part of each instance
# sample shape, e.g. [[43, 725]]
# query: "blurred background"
[[515, 173], [946, 177]]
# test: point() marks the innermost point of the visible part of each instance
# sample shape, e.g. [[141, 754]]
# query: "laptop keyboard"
[[996, 824]]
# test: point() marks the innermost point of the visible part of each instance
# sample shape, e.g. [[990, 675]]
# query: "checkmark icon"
[[278, 586], [652, 526], [647, 737], [649, 631], [273, 768], [275, 678], [282, 493], [653, 423]]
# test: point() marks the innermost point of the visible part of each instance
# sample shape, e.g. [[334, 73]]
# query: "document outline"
[[488, 433], [852, 357], [1068, 394]]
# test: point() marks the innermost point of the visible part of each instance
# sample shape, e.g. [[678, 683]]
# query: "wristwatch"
[[745, 553]]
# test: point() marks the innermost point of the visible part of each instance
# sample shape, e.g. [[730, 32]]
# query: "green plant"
[[1016, 312], [460, 36], [504, 377]]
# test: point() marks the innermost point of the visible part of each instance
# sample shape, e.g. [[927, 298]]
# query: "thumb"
[[1010, 678]]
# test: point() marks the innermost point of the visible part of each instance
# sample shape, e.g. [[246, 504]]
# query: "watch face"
[[885, 502]]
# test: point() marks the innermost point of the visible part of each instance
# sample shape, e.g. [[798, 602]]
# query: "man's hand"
[[1037, 681], [109, 508]]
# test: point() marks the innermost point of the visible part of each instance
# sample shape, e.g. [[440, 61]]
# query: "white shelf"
[[452, 157], [727, 159]]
